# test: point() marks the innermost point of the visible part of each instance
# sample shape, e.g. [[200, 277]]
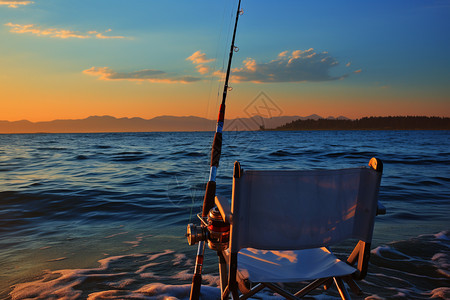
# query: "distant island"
[[371, 123], [95, 124]]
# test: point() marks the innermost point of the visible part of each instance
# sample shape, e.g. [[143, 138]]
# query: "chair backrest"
[[288, 210]]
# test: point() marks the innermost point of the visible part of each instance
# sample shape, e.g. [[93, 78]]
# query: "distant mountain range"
[[162, 123], [191, 123]]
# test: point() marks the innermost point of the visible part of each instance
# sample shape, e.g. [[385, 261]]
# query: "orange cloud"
[[298, 54], [250, 64], [199, 58], [146, 75], [57, 32], [15, 4], [102, 36], [283, 54], [220, 74], [202, 69], [51, 32]]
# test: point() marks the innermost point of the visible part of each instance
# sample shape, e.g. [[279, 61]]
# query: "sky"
[[73, 59]]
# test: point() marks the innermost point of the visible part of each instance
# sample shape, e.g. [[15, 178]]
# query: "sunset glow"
[[74, 59]]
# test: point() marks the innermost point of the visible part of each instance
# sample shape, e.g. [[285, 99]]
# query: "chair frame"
[[231, 284]]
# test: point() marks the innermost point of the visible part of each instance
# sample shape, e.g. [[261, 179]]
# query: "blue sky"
[[73, 59]]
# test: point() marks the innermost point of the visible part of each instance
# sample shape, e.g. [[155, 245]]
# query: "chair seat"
[[290, 266]]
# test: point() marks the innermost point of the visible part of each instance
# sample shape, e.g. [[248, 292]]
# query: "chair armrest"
[[224, 208], [381, 210]]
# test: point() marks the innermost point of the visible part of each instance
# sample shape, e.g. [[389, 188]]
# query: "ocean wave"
[[129, 156], [417, 161], [417, 268], [37, 210], [103, 146], [408, 216], [280, 153], [123, 276], [81, 157]]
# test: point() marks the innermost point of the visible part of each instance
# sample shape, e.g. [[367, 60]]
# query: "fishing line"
[[214, 67], [225, 54], [230, 28], [220, 51]]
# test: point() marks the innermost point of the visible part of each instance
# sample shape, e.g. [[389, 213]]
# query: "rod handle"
[[195, 289]]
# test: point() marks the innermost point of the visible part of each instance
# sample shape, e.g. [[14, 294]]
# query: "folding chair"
[[282, 223]]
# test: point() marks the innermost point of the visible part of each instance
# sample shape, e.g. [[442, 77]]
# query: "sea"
[[104, 215]]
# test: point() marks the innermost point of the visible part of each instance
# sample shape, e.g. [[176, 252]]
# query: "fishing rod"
[[194, 233]]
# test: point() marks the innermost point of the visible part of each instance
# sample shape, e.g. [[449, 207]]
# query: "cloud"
[[148, 75], [283, 54], [51, 32], [100, 35], [200, 60], [202, 69], [57, 32], [15, 4], [295, 66]]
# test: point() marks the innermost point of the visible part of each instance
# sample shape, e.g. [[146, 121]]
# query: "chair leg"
[[234, 292], [252, 292], [353, 285], [327, 284], [225, 293], [360, 255], [223, 272], [280, 291], [341, 288], [232, 277], [310, 287]]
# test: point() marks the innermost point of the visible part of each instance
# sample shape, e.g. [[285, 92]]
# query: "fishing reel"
[[214, 230]]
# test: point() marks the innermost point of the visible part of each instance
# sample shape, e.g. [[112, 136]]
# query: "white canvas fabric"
[[290, 266], [286, 210]]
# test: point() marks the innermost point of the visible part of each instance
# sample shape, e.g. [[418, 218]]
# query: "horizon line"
[[238, 117]]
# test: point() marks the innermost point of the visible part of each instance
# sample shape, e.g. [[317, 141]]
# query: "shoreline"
[[371, 123]]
